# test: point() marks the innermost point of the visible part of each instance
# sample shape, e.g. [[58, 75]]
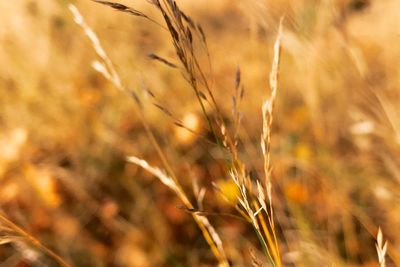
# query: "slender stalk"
[[35, 242]]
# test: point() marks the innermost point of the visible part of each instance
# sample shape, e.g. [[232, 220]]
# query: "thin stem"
[[33, 241]]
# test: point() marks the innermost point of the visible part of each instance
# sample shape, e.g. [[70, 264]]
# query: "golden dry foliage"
[[256, 140]]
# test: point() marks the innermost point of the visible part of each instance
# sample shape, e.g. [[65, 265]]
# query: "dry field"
[[200, 133]]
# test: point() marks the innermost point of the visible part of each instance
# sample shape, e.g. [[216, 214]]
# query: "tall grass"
[[305, 174], [253, 206]]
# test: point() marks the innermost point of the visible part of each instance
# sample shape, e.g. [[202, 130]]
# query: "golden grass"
[[183, 86]]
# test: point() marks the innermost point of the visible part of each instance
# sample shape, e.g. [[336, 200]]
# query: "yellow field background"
[[65, 133]]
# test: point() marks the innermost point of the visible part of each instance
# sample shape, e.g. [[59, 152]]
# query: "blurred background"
[[66, 131]]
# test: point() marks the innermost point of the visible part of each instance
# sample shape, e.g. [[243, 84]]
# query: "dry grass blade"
[[163, 60], [126, 9], [121, 7], [267, 115], [163, 109], [165, 179], [106, 68], [19, 232], [255, 261], [236, 99], [208, 230], [219, 249], [381, 248], [267, 111], [237, 79], [182, 40]]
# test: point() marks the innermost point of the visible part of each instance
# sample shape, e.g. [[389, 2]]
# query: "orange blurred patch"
[[296, 192], [229, 191], [89, 97], [370, 264], [131, 252], [299, 115], [297, 119], [303, 152], [8, 192], [191, 122], [43, 182], [174, 213], [66, 226], [109, 210], [11, 144]]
